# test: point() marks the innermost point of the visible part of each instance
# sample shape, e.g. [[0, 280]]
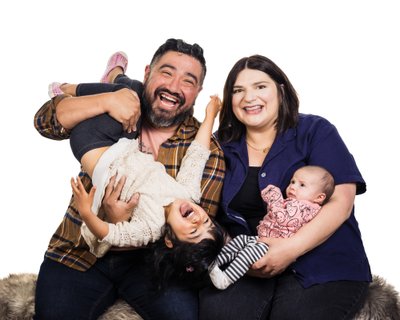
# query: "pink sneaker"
[[54, 89], [118, 59]]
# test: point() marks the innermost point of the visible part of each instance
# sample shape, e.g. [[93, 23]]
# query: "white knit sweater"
[[156, 188]]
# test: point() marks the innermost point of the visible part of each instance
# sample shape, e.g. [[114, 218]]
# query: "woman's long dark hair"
[[230, 128], [185, 262]]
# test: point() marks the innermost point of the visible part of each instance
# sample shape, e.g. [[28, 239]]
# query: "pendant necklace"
[[263, 150]]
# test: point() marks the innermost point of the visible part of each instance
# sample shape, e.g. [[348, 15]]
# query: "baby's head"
[[312, 183], [189, 244]]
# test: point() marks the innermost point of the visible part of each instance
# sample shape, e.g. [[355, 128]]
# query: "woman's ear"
[[168, 242]]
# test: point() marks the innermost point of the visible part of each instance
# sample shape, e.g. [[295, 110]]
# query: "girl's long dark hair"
[[230, 128], [185, 262]]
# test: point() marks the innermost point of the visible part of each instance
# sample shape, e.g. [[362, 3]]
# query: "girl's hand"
[[83, 200], [213, 107]]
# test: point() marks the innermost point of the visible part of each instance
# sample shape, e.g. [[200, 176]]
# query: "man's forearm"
[[73, 110]]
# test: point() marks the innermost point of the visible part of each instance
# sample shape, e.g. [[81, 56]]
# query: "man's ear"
[[168, 243], [147, 70]]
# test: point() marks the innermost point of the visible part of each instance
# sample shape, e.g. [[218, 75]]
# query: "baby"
[[309, 189]]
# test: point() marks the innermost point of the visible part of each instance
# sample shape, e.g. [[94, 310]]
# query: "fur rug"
[[17, 301], [383, 302]]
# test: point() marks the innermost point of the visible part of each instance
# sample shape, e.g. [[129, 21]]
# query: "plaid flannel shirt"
[[67, 245]]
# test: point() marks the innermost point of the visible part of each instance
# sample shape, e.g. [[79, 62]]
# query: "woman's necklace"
[[263, 150]]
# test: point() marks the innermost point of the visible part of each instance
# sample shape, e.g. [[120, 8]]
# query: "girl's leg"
[[85, 89], [99, 131], [135, 85]]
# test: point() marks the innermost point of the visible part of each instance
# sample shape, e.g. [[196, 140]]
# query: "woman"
[[322, 272]]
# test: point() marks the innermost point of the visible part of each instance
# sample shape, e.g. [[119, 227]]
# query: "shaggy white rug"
[[17, 301]]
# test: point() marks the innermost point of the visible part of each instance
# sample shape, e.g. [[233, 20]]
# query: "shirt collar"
[[187, 129]]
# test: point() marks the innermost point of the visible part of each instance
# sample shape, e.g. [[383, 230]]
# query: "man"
[[72, 283]]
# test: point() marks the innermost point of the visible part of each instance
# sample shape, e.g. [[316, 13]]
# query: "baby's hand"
[[213, 107]]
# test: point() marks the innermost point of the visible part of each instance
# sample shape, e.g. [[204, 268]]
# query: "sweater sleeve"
[[138, 232], [192, 167]]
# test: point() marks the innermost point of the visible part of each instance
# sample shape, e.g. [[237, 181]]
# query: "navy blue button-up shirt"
[[314, 141]]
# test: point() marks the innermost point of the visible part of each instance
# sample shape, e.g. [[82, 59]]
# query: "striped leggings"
[[241, 252]]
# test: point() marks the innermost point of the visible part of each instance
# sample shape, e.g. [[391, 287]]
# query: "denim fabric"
[[283, 298], [65, 293]]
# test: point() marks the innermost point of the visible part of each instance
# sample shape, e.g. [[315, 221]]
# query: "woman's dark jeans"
[[283, 298]]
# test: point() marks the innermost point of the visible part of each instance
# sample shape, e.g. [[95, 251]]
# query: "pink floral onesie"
[[284, 216]]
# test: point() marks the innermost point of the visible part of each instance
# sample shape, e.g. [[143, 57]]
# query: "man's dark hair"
[[178, 45]]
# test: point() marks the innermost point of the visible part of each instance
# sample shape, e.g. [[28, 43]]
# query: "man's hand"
[[116, 209], [125, 108]]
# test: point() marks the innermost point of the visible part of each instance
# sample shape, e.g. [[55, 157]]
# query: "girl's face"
[[255, 99], [189, 222]]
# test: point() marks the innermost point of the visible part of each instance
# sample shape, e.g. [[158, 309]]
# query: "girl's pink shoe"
[[54, 89], [118, 59]]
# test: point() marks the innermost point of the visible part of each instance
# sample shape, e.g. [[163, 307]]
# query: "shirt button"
[[263, 175]]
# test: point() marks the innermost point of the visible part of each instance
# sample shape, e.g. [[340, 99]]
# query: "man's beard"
[[160, 118]]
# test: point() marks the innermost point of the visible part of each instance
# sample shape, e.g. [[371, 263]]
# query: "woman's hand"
[[280, 255], [116, 209]]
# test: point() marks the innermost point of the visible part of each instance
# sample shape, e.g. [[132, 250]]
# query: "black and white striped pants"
[[241, 252]]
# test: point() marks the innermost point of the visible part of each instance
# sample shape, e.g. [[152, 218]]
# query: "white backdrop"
[[342, 57]]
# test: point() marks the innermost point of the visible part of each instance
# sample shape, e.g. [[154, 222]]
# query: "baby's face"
[[304, 186], [189, 222]]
